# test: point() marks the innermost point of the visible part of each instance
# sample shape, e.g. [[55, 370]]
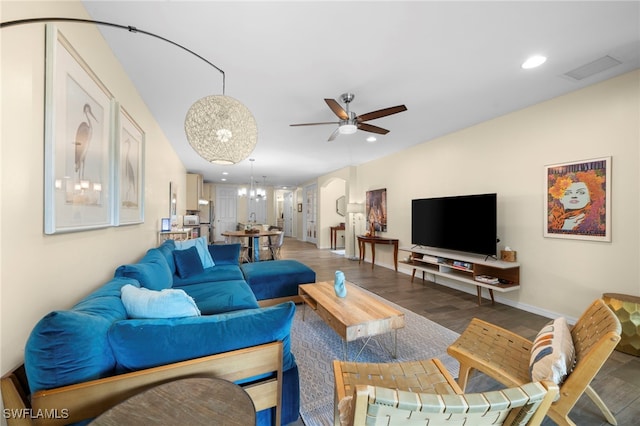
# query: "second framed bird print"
[[129, 171]]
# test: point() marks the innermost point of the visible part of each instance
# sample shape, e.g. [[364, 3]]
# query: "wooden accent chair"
[[90, 399], [504, 356], [423, 392]]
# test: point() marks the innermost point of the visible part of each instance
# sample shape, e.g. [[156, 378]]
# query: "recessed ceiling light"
[[534, 61], [371, 139], [225, 173], [224, 179]]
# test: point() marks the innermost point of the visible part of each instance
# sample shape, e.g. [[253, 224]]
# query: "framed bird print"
[[78, 169], [129, 173]]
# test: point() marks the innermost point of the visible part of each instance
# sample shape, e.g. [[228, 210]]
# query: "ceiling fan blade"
[[334, 135], [337, 109], [380, 113], [315, 124], [373, 129]]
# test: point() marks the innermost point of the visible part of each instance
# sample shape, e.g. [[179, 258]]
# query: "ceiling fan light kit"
[[221, 129], [350, 122], [348, 129]]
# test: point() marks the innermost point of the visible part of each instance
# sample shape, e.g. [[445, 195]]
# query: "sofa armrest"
[[90, 399]]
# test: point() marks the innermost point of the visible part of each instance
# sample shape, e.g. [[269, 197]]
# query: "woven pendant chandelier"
[[221, 129]]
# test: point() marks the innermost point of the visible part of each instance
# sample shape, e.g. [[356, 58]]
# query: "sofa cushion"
[[552, 353], [225, 254], [211, 275], [277, 278], [67, 347], [141, 302], [166, 248], [139, 344], [188, 262], [225, 296], [200, 244], [152, 271]]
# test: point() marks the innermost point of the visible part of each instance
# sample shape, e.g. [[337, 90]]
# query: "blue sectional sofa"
[[106, 333]]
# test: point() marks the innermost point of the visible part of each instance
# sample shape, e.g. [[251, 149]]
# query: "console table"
[[364, 239], [334, 235], [465, 268]]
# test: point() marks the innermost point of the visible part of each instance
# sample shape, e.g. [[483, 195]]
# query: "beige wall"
[[507, 155], [40, 273]]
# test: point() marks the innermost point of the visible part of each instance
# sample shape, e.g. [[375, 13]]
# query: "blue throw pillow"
[[225, 254], [141, 302], [200, 244], [188, 262]]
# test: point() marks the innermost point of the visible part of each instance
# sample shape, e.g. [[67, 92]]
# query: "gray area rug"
[[315, 346]]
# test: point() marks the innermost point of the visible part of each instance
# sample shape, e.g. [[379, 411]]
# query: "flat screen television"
[[462, 223]]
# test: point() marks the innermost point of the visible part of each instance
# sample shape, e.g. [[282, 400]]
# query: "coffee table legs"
[[394, 354]]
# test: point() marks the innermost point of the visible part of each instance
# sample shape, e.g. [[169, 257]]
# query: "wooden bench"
[[69, 404]]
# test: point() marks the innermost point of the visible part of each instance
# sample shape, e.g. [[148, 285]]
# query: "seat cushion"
[[277, 278], [219, 297]]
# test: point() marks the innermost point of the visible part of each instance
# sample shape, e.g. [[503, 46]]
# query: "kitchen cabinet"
[[194, 191]]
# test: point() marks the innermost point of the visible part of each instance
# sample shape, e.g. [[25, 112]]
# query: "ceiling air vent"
[[593, 68]]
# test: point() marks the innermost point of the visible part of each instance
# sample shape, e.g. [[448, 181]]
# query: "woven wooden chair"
[[423, 392], [504, 356]]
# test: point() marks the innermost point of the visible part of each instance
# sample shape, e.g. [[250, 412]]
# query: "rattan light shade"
[[220, 129]]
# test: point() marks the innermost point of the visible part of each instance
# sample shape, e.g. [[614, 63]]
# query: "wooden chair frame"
[[417, 392], [90, 399], [504, 356]]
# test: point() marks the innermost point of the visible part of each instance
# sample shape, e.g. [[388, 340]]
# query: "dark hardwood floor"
[[618, 382]]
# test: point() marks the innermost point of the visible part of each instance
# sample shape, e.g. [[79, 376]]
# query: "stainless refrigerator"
[[207, 220]]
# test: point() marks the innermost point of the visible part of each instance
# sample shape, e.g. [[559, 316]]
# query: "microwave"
[[190, 220]]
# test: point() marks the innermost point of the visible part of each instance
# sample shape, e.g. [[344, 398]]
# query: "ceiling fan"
[[350, 122]]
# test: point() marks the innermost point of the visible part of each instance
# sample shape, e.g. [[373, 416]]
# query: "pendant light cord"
[[111, 24]]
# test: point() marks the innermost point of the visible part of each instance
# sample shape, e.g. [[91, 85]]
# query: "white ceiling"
[[453, 64]]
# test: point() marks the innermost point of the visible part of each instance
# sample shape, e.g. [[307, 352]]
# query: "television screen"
[[462, 223]]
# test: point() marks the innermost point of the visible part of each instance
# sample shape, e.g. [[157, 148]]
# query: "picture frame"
[[129, 170], [376, 209], [578, 200], [79, 129], [173, 204], [165, 224]]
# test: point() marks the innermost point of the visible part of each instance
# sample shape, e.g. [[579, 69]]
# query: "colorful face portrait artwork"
[[578, 200]]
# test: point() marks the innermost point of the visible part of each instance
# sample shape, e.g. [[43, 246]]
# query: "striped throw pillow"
[[552, 353]]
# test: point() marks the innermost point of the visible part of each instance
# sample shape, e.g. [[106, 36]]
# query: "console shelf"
[[464, 268]]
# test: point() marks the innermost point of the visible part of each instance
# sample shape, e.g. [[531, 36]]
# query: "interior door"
[[226, 210], [310, 214]]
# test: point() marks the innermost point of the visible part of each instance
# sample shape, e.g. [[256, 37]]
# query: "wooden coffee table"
[[358, 315]]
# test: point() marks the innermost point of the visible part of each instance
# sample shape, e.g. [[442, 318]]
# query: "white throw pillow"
[[552, 353], [140, 302]]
